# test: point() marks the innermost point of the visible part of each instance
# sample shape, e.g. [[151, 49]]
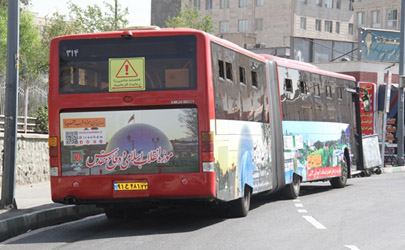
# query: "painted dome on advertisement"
[[139, 137]]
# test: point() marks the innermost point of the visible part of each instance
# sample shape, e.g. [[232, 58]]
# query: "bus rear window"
[[136, 64]]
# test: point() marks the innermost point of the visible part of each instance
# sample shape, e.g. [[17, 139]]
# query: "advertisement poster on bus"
[[367, 107], [129, 142], [242, 157], [314, 150]]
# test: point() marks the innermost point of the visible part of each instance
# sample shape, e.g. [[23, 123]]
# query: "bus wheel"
[[240, 207], [340, 182], [292, 190]]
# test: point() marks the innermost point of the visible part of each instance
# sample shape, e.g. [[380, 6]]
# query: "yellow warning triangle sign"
[[126, 71]]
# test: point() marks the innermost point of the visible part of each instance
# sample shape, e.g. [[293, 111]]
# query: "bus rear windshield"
[[135, 64]]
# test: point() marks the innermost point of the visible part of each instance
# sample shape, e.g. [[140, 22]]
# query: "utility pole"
[[400, 127], [10, 130], [116, 15]]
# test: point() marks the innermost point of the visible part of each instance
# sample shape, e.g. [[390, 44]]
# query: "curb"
[[393, 169], [23, 223]]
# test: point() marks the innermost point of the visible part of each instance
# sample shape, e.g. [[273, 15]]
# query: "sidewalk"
[[37, 210]]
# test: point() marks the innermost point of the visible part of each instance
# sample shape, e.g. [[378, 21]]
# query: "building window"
[[329, 4], [318, 24], [197, 4], [392, 17], [224, 4], [303, 23], [304, 2], [259, 2], [208, 4], [338, 4], [360, 19], [328, 26], [376, 19], [243, 3], [259, 24], [223, 26], [351, 5], [350, 29], [243, 25], [319, 3], [337, 28]]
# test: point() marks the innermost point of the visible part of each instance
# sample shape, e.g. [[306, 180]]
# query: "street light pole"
[[400, 127], [11, 100]]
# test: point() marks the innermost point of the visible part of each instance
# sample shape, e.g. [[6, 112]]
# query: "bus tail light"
[[207, 139], [53, 155]]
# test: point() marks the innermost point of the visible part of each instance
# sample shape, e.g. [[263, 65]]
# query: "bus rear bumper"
[[159, 187]]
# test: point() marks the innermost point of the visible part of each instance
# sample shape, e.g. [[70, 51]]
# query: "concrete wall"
[[32, 161]]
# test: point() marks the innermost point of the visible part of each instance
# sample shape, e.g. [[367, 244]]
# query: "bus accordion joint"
[[207, 138], [53, 155]]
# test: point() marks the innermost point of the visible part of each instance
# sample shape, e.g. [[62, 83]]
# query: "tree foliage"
[[32, 55], [190, 18], [41, 121], [92, 19]]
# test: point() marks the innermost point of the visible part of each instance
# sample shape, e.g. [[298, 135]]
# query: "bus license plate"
[[131, 186]]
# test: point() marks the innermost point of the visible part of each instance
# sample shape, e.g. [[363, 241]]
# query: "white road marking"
[[299, 205], [302, 211], [297, 200], [314, 222], [352, 247]]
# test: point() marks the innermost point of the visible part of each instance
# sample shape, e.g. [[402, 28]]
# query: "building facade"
[[378, 14], [287, 28]]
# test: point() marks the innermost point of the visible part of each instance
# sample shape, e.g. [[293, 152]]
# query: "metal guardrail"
[[24, 124]]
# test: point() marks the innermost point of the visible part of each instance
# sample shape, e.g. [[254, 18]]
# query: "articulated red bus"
[[138, 118]]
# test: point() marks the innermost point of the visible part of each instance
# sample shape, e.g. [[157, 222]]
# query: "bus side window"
[[288, 86], [221, 69], [255, 81], [229, 71], [303, 87], [329, 91], [317, 91], [242, 76], [339, 93]]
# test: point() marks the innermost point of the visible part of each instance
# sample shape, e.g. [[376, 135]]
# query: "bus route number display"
[[126, 74]]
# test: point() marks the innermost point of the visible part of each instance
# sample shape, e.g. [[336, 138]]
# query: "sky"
[[139, 10]]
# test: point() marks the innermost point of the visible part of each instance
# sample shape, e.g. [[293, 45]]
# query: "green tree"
[[92, 19], [41, 121], [190, 18], [32, 54]]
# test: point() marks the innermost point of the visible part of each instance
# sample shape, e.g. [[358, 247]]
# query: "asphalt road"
[[367, 214]]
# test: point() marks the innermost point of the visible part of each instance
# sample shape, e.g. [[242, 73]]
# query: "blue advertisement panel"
[[380, 45]]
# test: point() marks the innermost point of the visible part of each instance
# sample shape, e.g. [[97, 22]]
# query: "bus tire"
[[240, 207], [292, 190], [340, 182]]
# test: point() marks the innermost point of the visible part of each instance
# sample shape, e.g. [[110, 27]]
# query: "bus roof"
[[305, 66]]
